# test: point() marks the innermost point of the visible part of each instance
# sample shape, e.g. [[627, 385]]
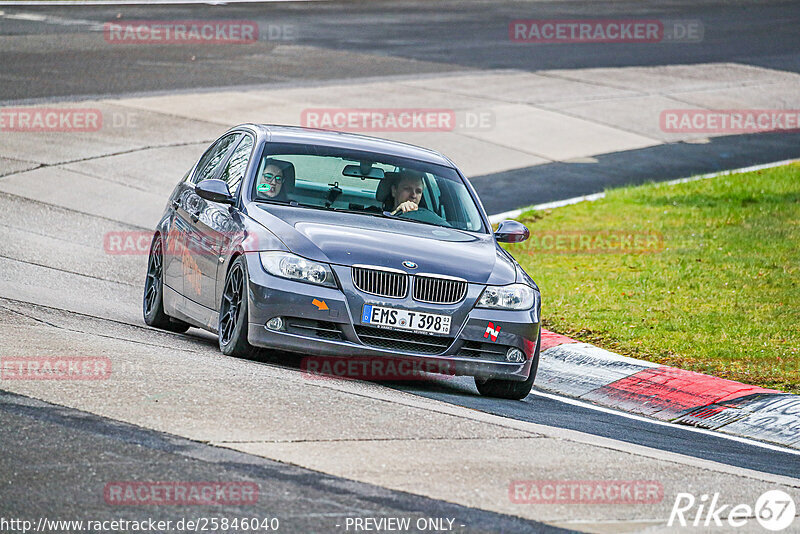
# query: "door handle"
[[175, 204], [195, 216]]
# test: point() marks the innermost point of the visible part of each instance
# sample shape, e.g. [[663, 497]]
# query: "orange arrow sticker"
[[319, 304]]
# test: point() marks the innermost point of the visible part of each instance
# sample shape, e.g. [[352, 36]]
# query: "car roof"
[[297, 134]]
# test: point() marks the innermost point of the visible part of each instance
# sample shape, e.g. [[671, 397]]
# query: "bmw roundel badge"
[[409, 264]]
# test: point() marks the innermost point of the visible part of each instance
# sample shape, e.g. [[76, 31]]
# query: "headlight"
[[288, 265], [511, 297]]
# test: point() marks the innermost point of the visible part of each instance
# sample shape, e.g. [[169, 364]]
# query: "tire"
[[153, 298], [233, 312], [510, 389]]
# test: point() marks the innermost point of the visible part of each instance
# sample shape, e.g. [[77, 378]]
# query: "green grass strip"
[[703, 275]]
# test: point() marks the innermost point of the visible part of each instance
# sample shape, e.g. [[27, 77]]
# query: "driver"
[[407, 192], [407, 195]]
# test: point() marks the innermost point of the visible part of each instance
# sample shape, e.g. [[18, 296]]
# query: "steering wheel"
[[414, 214], [425, 215]]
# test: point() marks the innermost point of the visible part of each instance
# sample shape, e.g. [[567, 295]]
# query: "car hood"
[[349, 239]]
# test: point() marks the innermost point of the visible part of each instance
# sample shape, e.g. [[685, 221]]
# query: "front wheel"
[[153, 299], [233, 316], [510, 389]]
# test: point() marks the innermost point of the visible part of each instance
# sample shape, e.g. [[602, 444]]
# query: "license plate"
[[405, 320]]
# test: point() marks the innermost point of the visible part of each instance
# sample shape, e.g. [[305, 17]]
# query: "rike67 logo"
[[774, 510]]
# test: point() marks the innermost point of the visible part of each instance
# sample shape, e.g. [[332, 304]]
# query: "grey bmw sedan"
[[343, 245]]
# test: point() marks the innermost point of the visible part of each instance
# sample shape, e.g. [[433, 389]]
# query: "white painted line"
[[734, 171], [135, 2], [48, 19], [513, 214], [659, 521], [25, 16], [590, 406]]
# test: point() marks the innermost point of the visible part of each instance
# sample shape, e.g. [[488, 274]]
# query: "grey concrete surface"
[[552, 125], [542, 407], [468, 481], [82, 453], [132, 133], [254, 401]]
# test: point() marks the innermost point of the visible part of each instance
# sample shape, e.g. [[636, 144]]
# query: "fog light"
[[276, 323], [515, 355]]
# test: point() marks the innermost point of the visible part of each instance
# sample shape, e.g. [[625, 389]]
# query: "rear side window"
[[213, 158]]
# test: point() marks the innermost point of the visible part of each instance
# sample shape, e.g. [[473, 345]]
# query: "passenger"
[[276, 179]]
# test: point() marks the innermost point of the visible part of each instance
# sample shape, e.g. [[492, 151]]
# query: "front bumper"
[[323, 321]]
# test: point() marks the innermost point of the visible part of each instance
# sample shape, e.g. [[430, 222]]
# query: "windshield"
[[367, 183]]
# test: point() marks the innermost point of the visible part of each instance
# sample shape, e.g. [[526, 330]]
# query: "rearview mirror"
[[360, 171], [511, 232], [215, 191]]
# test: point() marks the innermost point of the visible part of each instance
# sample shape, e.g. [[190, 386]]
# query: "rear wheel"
[[510, 389], [153, 299], [233, 315]]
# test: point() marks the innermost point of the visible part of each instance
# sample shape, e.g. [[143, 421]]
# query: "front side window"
[[213, 158], [367, 183], [237, 164]]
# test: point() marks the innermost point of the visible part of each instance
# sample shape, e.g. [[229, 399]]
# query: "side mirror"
[[215, 191], [511, 232]]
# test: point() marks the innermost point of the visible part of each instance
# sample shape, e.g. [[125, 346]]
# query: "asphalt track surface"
[[427, 36], [380, 39], [558, 181]]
